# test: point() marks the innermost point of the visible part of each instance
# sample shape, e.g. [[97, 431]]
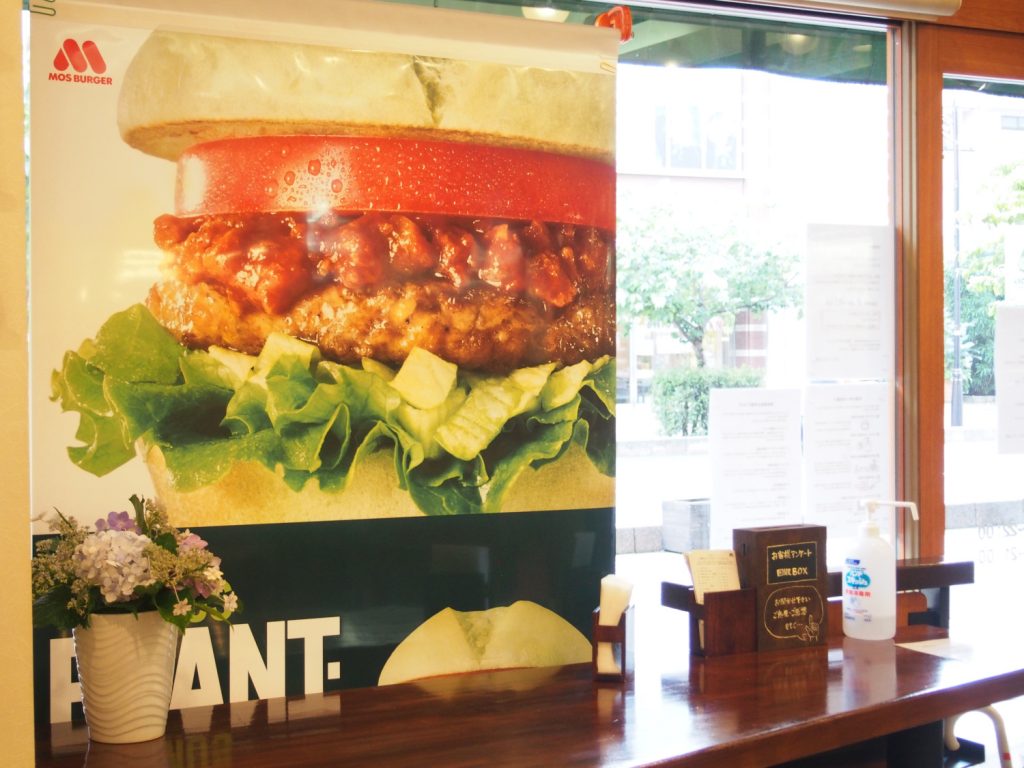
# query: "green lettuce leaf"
[[133, 346], [492, 403], [457, 440], [200, 462], [542, 444]]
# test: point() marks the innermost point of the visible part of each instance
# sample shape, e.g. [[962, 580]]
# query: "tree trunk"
[[695, 338], [698, 351]]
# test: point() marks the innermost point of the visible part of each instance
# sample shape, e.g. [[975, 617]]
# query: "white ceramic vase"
[[126, 668]]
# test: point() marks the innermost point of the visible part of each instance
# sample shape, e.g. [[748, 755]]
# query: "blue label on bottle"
[[857, 578]]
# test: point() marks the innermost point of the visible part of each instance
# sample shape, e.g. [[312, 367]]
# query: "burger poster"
[[335, 286]]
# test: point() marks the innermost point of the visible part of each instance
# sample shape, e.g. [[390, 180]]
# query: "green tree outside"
[[677, 273], [686, 274], [983, 286]]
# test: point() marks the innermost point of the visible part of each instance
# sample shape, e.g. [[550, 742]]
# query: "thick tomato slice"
[[341, 173]]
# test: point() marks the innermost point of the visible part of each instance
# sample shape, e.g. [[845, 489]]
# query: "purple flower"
[[117, 521], [202, 588], [189, 541]]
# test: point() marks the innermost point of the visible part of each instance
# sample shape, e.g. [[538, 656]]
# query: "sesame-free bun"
[[250, 494], [183, 88], [523, 634]]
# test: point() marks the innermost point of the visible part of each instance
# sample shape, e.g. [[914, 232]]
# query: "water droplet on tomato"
[[289, 178], [336, 186], [314, 167], [271, 189]]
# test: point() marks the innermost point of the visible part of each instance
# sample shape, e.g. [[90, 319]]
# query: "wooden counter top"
[[738, 711]]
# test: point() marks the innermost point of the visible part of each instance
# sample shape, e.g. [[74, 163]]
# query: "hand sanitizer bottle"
[[869, 580]]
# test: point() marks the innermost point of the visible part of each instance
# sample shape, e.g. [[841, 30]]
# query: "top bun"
[[182, 89]]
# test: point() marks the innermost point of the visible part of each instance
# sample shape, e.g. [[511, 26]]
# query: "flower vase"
[[126, 668]]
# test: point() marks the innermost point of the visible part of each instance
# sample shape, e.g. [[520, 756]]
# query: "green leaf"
[[368, 396], [545, 443], [51, 610], [311, 419], [449, 498], [133, 346], [601, 381], [563, 385], [597, 435], [425, 380], [78, 386], [491, 404], [246, 412], [144, 406], [105, 445], [204, 370], [236, 367], [196, 464]]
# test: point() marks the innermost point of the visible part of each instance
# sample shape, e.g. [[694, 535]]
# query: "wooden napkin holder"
[[620, 637], [729, 623]]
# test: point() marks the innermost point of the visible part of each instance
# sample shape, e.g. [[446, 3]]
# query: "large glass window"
[[755, 272], [971, 154], [983, 254]]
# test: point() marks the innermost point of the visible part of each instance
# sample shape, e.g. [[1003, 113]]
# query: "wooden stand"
[[620, 637], [728, 619], [785, 565]]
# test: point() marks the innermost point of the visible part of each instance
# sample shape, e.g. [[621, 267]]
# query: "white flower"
[[182, 608], [230, 602], [213, 576], [114, 561]]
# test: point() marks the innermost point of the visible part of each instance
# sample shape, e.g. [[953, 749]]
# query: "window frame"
[[940, 50]]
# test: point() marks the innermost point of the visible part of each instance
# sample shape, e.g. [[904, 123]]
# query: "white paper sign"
[[754, 445], [849, 302], [1009, 365], [848, 452]]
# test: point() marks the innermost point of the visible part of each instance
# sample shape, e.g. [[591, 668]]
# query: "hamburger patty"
[[482, 329], [488, 295]]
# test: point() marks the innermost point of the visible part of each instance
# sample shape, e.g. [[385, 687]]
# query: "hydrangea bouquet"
[[127, 565]]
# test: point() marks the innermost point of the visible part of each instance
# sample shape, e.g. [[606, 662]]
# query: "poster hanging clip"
[[619, 18]]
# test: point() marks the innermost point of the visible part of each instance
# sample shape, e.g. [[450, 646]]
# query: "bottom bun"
[[251, 494], [523, 634]]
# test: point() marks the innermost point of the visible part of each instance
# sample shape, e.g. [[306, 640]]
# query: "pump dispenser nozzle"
[[870, 525], [872, 504]]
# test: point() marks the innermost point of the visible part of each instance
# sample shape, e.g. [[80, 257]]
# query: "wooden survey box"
[[786, 567]]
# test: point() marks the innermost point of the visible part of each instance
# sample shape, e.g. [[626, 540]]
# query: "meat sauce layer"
[[269, 262]]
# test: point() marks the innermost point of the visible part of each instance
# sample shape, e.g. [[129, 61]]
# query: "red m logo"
[[80, 58]]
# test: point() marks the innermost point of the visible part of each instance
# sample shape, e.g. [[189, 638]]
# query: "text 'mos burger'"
[[388, 287]]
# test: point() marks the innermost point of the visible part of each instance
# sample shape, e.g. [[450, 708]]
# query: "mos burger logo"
[[79, 63]]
